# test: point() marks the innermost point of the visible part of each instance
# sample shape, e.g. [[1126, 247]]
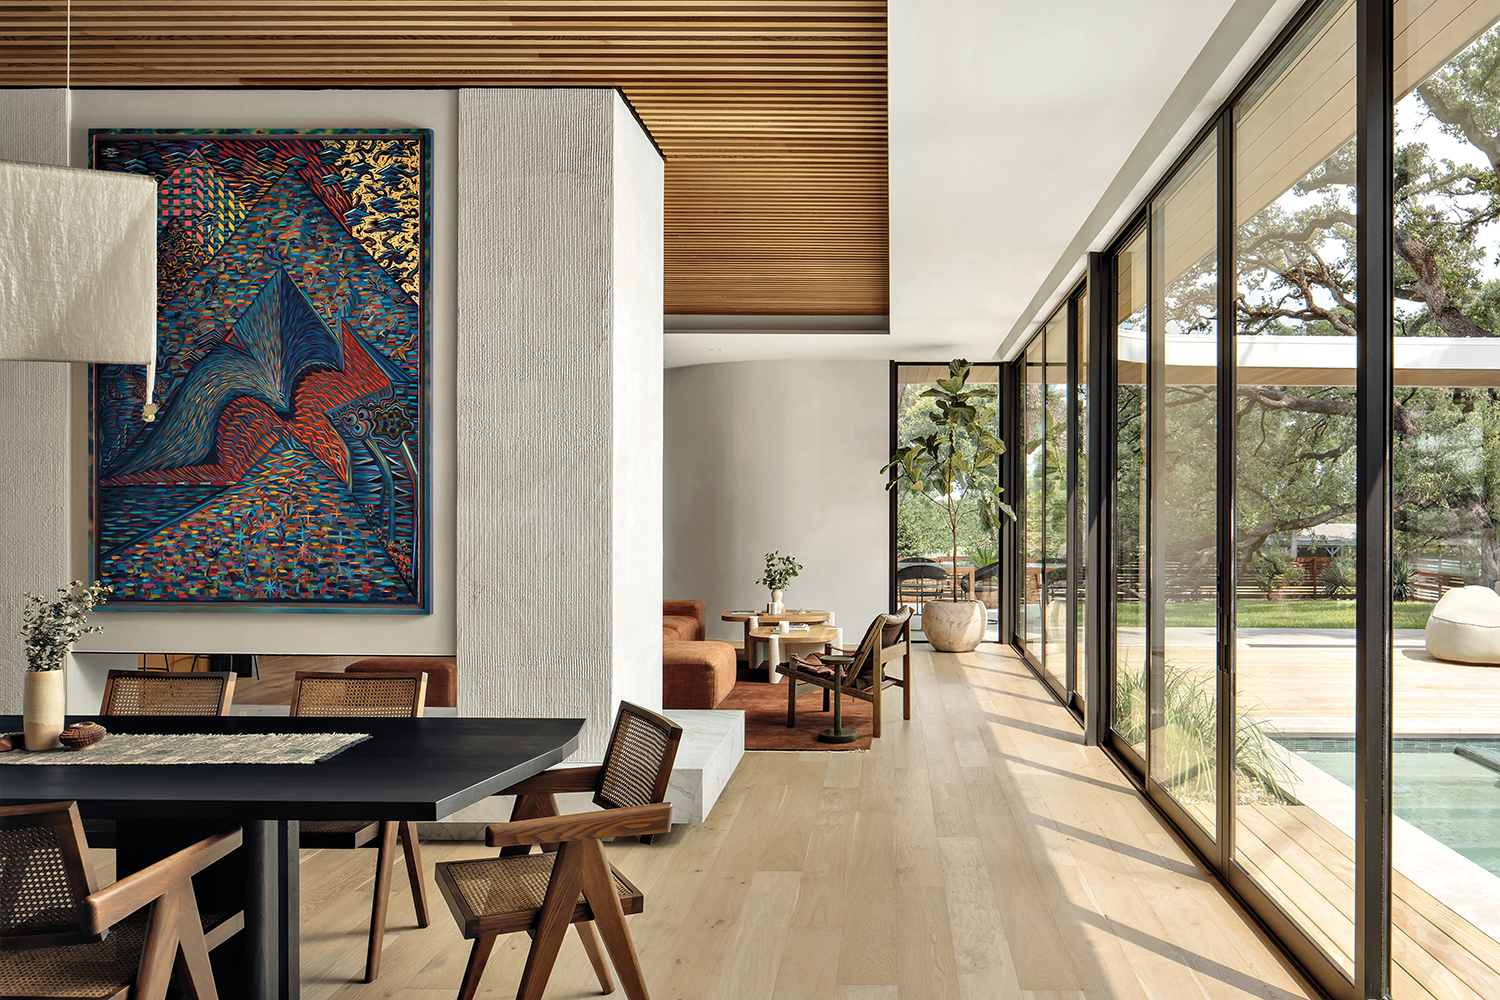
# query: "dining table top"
[[409, 769]]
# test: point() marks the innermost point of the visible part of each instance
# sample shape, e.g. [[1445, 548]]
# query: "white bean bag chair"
[[1465, 626]]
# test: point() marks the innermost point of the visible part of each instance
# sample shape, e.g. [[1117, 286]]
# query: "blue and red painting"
[[287, 467]]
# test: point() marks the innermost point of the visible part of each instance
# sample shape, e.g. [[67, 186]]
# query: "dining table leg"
[[272, 924]]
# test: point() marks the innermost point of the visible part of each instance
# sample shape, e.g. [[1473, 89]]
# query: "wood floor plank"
[[982, 955]]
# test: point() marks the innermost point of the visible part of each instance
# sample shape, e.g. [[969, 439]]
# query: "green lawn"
[[1254, 613]]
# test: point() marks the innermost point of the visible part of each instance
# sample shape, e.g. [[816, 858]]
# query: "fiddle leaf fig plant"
[[957, 466]]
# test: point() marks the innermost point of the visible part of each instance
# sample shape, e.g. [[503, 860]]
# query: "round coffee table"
[[802, 616], [816, 635]]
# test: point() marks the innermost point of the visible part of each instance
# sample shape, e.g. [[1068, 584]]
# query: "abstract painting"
[[287, 469]]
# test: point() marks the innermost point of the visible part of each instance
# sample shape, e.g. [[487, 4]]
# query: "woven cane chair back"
[[45, 874], [152, 692], [638, 763], [328, 694]]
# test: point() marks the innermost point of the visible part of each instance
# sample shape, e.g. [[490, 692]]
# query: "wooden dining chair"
[[63, 936], [154, 692], [343, 695], [539, 893]]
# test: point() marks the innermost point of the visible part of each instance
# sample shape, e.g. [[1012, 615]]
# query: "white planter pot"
[[45, 703], [953, 626]]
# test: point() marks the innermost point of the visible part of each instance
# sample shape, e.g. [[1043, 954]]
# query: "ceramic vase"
[[45, 701], [776, 600]]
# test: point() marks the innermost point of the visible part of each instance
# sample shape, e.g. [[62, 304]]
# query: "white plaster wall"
[[541, 569], [212, 632], [639, 208], [34, 423], [781, 456]]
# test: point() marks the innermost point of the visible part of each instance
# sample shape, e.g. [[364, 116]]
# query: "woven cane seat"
[[337, 834], [506, 894], [105, 969]]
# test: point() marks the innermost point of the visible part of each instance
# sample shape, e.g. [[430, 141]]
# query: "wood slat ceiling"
[[771, 115]]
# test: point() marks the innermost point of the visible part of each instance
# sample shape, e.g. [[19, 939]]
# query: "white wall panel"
[[778, 456], [544, 577]]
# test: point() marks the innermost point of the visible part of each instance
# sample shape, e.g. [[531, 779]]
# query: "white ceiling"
[[1021, 134]]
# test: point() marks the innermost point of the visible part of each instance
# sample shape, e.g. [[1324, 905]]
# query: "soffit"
[[771, 115]]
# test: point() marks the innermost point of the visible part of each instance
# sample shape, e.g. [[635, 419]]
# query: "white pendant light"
[[78, 266]]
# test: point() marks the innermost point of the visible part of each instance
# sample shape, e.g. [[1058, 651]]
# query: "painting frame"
[[289, 467]]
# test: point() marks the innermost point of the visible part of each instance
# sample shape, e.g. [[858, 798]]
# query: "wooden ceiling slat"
[[771, 115]]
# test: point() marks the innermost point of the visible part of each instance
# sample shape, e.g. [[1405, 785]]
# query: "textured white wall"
[[34, 422], [778, 456], [541, 427], [639, 206], [211, 632]]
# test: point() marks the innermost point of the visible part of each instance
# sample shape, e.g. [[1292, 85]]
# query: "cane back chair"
[[157, 692], [154, 692], [63, 936], [540, 893], [344, 695], [888, 638]]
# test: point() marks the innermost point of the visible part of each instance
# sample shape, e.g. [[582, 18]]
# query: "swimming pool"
[[1441, 791]]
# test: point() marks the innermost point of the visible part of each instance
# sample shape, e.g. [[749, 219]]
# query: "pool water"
[[1451, 798]]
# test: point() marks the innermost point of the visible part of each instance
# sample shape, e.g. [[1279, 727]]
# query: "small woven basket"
[[81, 735]]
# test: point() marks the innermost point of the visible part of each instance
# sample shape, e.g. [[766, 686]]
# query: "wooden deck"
[[1307, 865]]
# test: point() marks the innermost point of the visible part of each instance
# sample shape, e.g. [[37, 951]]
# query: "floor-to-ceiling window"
[[1183, 368], [1294, 455], [1240, 652], [1445, 481], [1050, 603], [1128, 541], [925, 567]]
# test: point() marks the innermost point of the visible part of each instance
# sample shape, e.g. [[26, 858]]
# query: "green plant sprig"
[[50, 627], [780, 570]]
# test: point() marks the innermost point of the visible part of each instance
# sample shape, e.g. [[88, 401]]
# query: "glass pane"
[[1081, 492], [1131, 583], [1183, 626], [1034, 427], [1294, 476], [1055, 499], [924, 537], [1446, 486]]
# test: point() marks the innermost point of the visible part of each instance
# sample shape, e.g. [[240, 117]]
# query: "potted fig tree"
[[956, 468]]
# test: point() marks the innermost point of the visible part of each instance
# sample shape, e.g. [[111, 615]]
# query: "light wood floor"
[[979, 852]]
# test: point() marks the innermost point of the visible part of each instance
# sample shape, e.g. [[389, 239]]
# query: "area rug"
[[764, 706]]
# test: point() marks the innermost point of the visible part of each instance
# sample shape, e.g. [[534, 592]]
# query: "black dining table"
[[409, 769]]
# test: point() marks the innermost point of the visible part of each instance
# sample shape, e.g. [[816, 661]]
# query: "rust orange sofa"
[[695, 672]]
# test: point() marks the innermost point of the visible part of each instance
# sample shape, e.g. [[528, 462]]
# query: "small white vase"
[[45, 702], [776, 600]]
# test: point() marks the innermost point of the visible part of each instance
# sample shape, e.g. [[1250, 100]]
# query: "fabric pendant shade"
[[77, 265]]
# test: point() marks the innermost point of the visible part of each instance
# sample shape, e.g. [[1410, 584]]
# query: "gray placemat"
[[197, 748]]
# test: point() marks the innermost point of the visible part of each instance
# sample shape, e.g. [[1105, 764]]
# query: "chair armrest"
[[114, 903], [629, 821], [561, 779]]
